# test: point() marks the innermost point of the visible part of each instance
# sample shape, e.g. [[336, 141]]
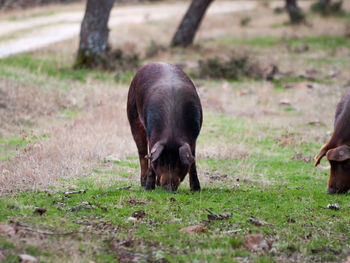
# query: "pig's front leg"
[[194, 182], [151, 180]]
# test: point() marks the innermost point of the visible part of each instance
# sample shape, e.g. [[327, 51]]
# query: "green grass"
[[315, 42], [321, 62], [39, 14], [69, 114], [43, 66], [294, 200], [281, 82]]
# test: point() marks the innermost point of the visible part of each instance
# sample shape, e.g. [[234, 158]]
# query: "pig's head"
[[339, 158], [171, 164]]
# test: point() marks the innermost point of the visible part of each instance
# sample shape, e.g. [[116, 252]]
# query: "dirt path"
[[31, 33]]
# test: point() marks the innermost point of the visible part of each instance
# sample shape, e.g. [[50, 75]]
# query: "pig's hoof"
[[196, 189], [149, 187]]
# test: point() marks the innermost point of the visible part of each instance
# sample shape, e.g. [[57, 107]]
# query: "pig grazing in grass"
[[165, 115], [337, 150]]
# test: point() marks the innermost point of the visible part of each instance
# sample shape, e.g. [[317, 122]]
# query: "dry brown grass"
[[73, 147]]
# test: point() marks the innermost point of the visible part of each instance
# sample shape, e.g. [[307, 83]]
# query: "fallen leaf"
[[315, 123], [40, 211], [81, 207], [111, 158], [192, 229], [6, 230], [218, 176], [301, 49], [332, 74], [290, 220], [242, 92], [27, 258], [347, 260], [301, 85], [136, 202], [275, 73], [255, 242], [258, 222], [212, 216], [284, 102], [125, 253], [75, 192], [139, 214], [124, 188], [334, 206]]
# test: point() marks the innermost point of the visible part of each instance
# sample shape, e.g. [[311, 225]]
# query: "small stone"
[[139, 214], [131, 219], [284, 102], [333, 206], [255, 242], [27, 258]]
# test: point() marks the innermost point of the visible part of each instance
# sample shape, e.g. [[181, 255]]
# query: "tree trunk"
[[296, 15], [324, 2], [94, 33], [190, 23]]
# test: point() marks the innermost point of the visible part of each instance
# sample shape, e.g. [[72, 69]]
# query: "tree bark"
[[324, 2], [296, 15], [190, 23], [94, 33]]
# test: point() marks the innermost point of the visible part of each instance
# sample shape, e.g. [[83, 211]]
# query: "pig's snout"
[[170, 187], [331, 190]]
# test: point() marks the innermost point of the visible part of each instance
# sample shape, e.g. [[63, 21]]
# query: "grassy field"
[[66, 130]]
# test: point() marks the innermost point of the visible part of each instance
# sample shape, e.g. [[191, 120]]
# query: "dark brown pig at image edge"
[[165, 115], [337, 150]]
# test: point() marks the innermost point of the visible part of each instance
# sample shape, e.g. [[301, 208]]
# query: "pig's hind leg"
[[194, 182], [139, 134]]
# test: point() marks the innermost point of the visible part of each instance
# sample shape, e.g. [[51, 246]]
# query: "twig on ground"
[[31, 229], [83, 191], [124, 188]]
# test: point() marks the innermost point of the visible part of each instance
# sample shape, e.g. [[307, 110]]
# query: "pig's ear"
[[339, 154], [321, 154], [156, 151], [185, 153]]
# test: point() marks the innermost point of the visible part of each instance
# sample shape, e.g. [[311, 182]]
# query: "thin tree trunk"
[[324, 2], [190, 23], [94, 33], [296, 15]]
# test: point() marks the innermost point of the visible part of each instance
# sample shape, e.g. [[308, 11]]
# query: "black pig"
[[337, 150], [165, 114]]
